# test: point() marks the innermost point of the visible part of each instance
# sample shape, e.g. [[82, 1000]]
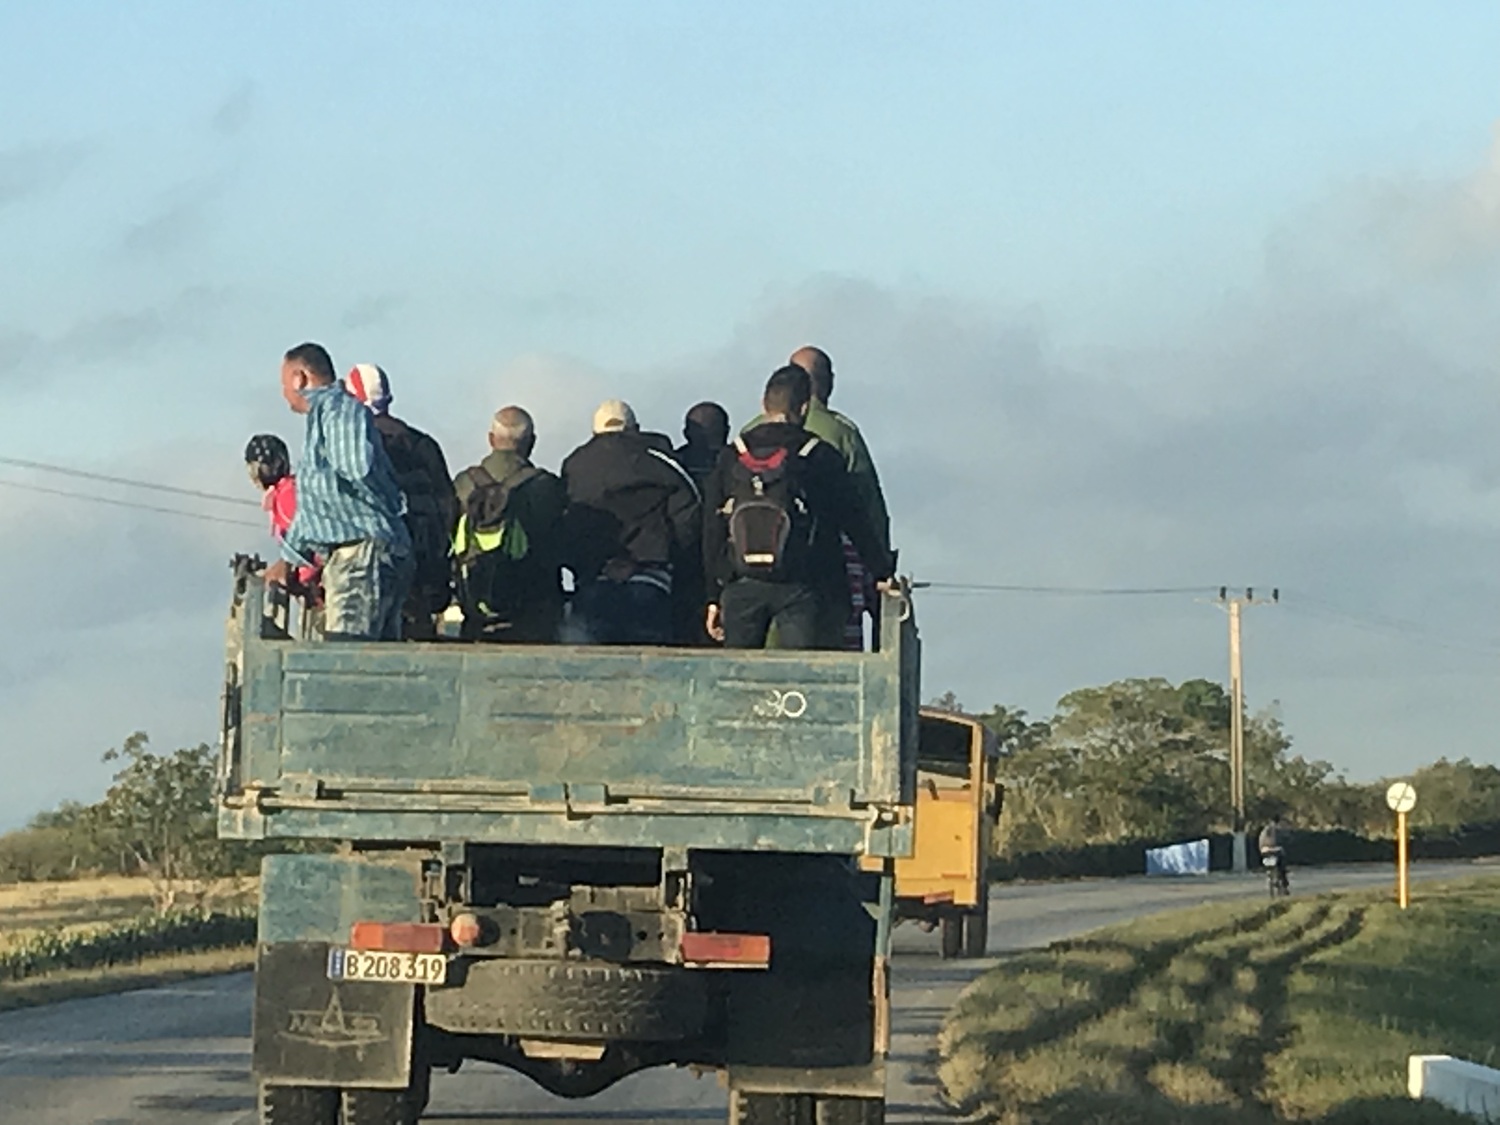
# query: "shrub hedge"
[[126, 943], [1307, 848]]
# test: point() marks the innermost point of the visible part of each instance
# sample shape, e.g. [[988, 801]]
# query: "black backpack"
[[492, 546], [771, 526]]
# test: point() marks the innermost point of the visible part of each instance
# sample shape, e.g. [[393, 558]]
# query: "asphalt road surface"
[[180, 1056]]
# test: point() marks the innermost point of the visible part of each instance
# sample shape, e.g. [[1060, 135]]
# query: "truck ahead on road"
[[943, 883], [576, 862]]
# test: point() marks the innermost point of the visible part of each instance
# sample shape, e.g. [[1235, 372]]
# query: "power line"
[[126, 482], [1061, 591], [110, 500], [1383, 625]]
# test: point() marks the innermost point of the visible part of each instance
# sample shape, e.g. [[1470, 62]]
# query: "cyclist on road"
[[1273, 852]]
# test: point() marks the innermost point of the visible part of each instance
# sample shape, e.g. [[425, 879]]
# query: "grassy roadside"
[[153, 972], [90, 937], [1235, 1014]]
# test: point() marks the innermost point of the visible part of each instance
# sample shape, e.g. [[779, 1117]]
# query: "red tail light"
[[726, 951], [398, 937], [466, 929]]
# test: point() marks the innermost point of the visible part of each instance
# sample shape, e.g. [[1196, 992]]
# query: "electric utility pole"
[[1235, 606]]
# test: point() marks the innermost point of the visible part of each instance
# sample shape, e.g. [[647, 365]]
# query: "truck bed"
[[607, 746]]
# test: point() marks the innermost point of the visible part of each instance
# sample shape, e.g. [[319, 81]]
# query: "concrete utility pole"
[[1237, 714]]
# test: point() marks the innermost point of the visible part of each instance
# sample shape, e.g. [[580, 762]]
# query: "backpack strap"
[[480, 477], [739, 444], [812, 443]]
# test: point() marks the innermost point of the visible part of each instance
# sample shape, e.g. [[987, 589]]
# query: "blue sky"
[[1123, 294]]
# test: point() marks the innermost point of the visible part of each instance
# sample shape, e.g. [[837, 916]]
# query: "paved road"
[[180, 1056]]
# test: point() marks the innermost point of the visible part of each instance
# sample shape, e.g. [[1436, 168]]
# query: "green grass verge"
[[154, 972], [1235, 1015], [124, 943]]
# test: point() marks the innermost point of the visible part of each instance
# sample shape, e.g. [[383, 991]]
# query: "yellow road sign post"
[[1402, 798]]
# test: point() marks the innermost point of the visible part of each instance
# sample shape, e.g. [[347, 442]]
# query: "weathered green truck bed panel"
[[559, 744]]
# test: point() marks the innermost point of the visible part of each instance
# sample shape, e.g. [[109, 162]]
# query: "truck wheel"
[[571, 1000], [851, 1111], [977, 928], [770, 1109], [953, 935], [384, 1107], [298, 1105]]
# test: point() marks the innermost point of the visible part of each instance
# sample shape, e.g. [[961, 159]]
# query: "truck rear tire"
[[977, 928], [382, 1107], [850, 1111], [952, 935], [298, 1105], [771, 1109], [572, 1000]]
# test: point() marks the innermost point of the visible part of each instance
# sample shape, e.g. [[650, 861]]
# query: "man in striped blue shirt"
[[349, 506]]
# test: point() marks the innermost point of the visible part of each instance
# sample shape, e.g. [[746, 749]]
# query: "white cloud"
[[1329, 430]]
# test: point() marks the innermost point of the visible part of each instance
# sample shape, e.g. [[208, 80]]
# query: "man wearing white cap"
[[633, 512], [431, 504]]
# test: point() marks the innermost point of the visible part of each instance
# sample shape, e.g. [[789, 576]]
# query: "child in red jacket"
[[270, 467]]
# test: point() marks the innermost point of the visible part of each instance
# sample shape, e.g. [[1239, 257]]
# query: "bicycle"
[[1277, 882]]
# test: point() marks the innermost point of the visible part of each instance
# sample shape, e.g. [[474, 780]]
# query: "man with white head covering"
[[633, 511], [431, 506]]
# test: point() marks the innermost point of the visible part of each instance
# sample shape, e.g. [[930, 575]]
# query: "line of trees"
[[1139, 759], [1146, 759], [156, 820]]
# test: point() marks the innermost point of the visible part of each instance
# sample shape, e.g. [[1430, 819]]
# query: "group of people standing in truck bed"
[[778, 535]]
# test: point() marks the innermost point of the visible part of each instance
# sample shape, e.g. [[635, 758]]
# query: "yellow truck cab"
[[942, 884]]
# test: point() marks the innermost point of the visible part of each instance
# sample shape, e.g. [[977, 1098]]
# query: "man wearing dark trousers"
[[632, 510], [775, 507]]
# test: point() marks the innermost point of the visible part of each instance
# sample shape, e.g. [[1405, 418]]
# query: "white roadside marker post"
[[1402, 798]]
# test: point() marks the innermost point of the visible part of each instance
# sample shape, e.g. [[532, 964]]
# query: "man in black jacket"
[[705, 433], [775, 507], [632, 511], [431, 506]]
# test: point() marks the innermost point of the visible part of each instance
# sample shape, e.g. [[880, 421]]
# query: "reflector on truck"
[[398, 937], [726, 951]]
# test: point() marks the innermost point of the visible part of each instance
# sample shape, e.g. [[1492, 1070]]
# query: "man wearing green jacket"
[[844, 604], [844, 436]]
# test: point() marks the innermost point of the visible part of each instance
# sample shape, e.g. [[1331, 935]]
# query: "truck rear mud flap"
[[312, 1031]]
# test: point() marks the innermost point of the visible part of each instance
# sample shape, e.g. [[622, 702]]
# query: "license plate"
[[387, 968]]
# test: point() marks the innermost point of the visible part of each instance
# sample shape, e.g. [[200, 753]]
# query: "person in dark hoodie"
[[632, 511], [776, 505], [705, 431]]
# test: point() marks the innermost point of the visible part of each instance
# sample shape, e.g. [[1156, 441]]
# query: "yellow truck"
[[942, 884]]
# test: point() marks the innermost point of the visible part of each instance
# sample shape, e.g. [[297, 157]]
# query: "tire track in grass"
[[1111, 992], [1183, 1024]]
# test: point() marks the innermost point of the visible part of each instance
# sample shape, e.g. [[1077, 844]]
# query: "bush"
[[126, 943], [1306, 848]]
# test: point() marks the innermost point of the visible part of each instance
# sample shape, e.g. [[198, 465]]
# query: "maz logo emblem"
[[782, 705]]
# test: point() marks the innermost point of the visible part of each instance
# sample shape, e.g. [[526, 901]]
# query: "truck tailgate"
[[557, 744]]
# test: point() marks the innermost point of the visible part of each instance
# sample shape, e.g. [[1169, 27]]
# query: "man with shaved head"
[[508, 545], [840, 432], [844, 610]]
